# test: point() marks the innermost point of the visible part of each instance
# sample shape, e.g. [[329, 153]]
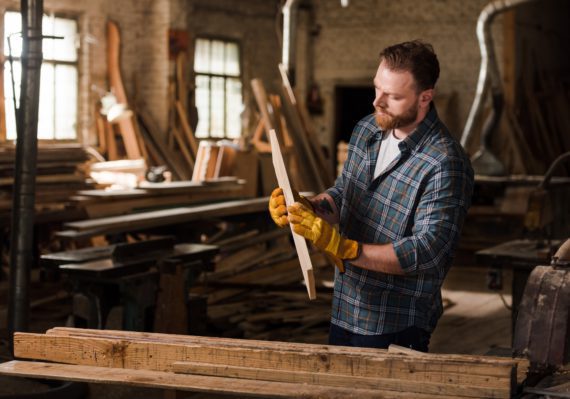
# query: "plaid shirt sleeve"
[[438, 220]]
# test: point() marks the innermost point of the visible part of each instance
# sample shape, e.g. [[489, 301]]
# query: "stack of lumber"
[[60, 174], [102, 203], [258, 368], [144, 220], [255, 291]]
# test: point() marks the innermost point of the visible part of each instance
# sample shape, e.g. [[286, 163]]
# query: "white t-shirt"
[[389, 150]]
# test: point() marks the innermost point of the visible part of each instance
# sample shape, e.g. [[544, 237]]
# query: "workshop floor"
[[475, 321]]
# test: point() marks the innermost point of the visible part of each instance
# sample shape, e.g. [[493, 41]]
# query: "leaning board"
[[300, 243]]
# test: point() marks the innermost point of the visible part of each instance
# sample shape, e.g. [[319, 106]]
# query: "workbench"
[[130, 275]]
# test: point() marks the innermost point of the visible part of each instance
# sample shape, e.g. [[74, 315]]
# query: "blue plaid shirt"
[[418, 203]]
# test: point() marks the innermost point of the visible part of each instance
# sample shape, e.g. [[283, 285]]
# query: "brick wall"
[[143, 26], [346, 43], [334, 44]]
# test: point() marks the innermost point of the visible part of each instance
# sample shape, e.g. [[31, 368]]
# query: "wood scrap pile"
[[259, 368], [135, 134], [60, 174], [255, 290]]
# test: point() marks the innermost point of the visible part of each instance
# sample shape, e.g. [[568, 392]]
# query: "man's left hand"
[[320, 233]]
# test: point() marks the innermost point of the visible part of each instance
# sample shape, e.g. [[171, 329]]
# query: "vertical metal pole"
[[22, 232]]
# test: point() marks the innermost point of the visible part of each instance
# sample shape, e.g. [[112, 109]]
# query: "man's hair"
[[416, 57]]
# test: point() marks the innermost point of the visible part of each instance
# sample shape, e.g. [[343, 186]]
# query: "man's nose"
[[379, 101]]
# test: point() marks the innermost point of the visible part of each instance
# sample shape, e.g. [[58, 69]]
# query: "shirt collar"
[[426, 125]]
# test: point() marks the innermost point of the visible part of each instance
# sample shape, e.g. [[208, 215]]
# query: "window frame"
[[6, 59], [210, 75]]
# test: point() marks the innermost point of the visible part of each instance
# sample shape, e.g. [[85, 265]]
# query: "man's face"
[[397, 103]]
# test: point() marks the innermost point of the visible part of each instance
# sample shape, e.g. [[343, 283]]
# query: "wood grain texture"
[[166, 380], [448, 375]]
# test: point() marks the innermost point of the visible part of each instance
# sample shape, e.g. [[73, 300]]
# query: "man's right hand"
[[278, 207]]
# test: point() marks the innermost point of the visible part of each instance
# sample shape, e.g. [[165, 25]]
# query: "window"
[[57, 119], [218, 89]]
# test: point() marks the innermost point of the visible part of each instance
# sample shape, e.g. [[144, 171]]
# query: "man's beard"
[[388, 121]]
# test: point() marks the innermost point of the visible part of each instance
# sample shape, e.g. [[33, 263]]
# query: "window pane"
[[217, 57], [48, 44], [234, 108], [232, 59], [66, 102], [57, 116], [46, 112], [203, 105], [218, 111], [9, 103], [202, 56], [60, 49], [12, 25]]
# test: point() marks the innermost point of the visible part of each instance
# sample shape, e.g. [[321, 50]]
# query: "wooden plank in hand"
[[300, 244]]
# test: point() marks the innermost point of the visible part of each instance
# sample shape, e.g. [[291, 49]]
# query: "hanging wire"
[[11, 60]]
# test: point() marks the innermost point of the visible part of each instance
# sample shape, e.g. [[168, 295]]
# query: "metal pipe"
[[489, 72], [22, 233], [289, 29]]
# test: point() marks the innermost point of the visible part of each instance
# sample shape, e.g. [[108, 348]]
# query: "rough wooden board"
[[257, 344], [160, 355], [160, 379], [169, 216], [451, 387], [300, 243]]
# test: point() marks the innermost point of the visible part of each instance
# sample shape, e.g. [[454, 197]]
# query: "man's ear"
[[425, 97]]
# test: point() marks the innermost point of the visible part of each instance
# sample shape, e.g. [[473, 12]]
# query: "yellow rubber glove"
[[278, 208], [321, 233]]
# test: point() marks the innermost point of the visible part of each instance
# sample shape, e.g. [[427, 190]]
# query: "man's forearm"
[[379, 258], [325, 208]]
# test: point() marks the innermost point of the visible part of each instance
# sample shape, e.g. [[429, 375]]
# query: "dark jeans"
[[412, 337]]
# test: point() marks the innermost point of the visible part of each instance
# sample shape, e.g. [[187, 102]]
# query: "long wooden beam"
[[182, 382], [165, 217], [470, 377]]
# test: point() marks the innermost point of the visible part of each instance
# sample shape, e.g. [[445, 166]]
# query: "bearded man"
[[395, 213]]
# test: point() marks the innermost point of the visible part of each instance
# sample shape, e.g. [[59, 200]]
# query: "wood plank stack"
[[259, 368], [255, 290], [102, 203], [83, 229], [60, 174]]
